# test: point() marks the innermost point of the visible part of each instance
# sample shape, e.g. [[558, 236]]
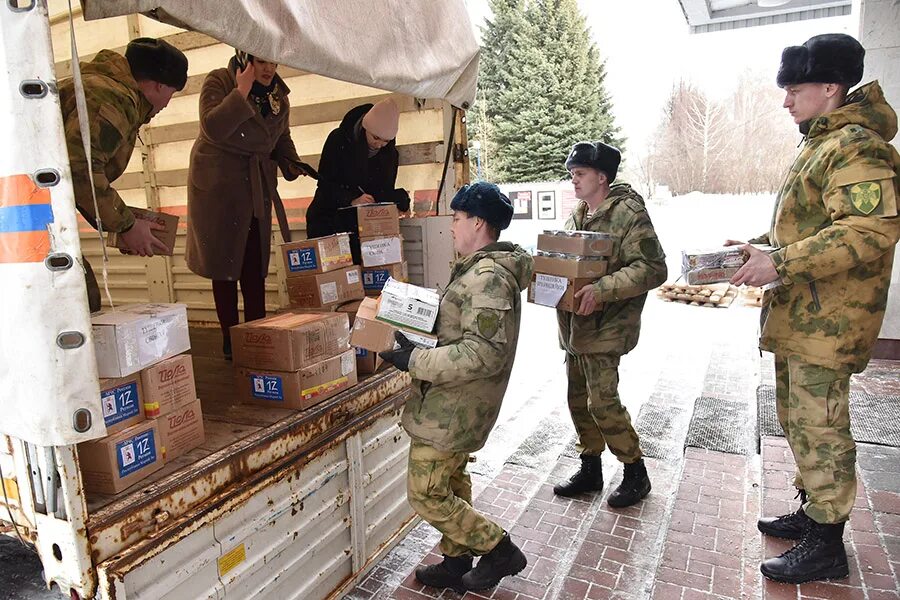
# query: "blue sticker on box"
[[361, 353], [302, 259], [136, 453], [266, 387], [375, 280], [120, 403]]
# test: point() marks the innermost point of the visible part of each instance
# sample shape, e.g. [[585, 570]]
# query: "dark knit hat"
[[484, 200], [826, 58], [595, 155], [157, 60]]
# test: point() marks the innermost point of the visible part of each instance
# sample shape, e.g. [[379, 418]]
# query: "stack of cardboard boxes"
[[377, 228], [320, 272], [293, 360], [147, 393], [408, 308], [566, 262]]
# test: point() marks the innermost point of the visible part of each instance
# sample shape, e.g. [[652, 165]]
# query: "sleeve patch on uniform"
[[865, 197], [488, 323], [650, 248]]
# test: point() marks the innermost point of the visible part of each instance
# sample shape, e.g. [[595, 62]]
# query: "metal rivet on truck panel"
[[81, 420], [58, 261], [46, 177], [67, 340], [20, 5], [33, 88]]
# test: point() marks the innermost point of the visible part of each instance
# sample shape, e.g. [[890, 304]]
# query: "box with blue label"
[[298, 389], [318, 255], [122, 402], [111, 464], [374, 278]]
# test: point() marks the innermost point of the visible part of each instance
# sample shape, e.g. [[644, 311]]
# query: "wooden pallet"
[[717, 295]]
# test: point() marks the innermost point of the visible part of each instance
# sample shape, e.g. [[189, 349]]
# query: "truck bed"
[[242, 441]]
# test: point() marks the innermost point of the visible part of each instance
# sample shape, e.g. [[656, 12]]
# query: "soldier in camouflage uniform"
[[607, 322], [121, 94], [835, 226], [458, 388]]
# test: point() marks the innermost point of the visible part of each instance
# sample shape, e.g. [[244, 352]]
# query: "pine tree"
[[544, 91], [501, 35]]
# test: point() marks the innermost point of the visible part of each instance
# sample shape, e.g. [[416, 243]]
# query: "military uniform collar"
[[617, 192]]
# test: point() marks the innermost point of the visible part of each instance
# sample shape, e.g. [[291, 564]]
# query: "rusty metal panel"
[[286, 535], [157, 509], [385, 455]]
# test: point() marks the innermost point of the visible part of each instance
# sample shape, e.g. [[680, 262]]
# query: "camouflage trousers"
[[813, 405], [598, 414], [440, 491]]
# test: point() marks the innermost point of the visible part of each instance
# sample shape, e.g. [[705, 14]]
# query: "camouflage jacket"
[[116, 110], [637, 265], [835, 226], [458, 387]]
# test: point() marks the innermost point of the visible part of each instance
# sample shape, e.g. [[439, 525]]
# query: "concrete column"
[[879, 33]]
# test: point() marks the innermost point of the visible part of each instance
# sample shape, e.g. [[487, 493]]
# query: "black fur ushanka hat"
[[826, 58]]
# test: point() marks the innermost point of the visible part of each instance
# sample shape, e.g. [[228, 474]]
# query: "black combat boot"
[[505, 559], [790, 526], [589, 478], [634, 487], [446, 574], [819, 555]]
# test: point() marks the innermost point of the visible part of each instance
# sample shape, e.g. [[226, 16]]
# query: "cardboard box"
[[325, 289], [544, 289], [350, 309], [111, 464], [134, 337], [374, 278], [408, 306], [290, 341], [377, 336], [570, 266], [579, 243], [180, 430], [166, 235], [709, 275], [168, 385], [318, 255], [122, 402], [298, 389], [371, 220], [380, 251], [368, 362]]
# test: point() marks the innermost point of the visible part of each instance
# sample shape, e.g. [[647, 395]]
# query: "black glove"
[[399, 196], [399, 357]]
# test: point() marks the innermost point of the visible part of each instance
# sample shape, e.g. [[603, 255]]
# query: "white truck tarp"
[[423, 48]]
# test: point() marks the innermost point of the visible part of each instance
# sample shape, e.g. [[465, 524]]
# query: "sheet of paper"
[[549, 289]]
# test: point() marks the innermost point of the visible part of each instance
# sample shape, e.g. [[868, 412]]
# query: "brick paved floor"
[[694, 537]]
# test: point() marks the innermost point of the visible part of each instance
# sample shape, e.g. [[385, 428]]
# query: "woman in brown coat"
[[244, 138]]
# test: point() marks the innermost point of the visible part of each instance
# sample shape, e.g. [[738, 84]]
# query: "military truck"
[[276, 503]]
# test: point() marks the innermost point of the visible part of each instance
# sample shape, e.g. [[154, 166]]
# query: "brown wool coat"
[[233, 176]]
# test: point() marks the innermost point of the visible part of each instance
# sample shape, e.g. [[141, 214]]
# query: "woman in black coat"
[[358, 166]]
